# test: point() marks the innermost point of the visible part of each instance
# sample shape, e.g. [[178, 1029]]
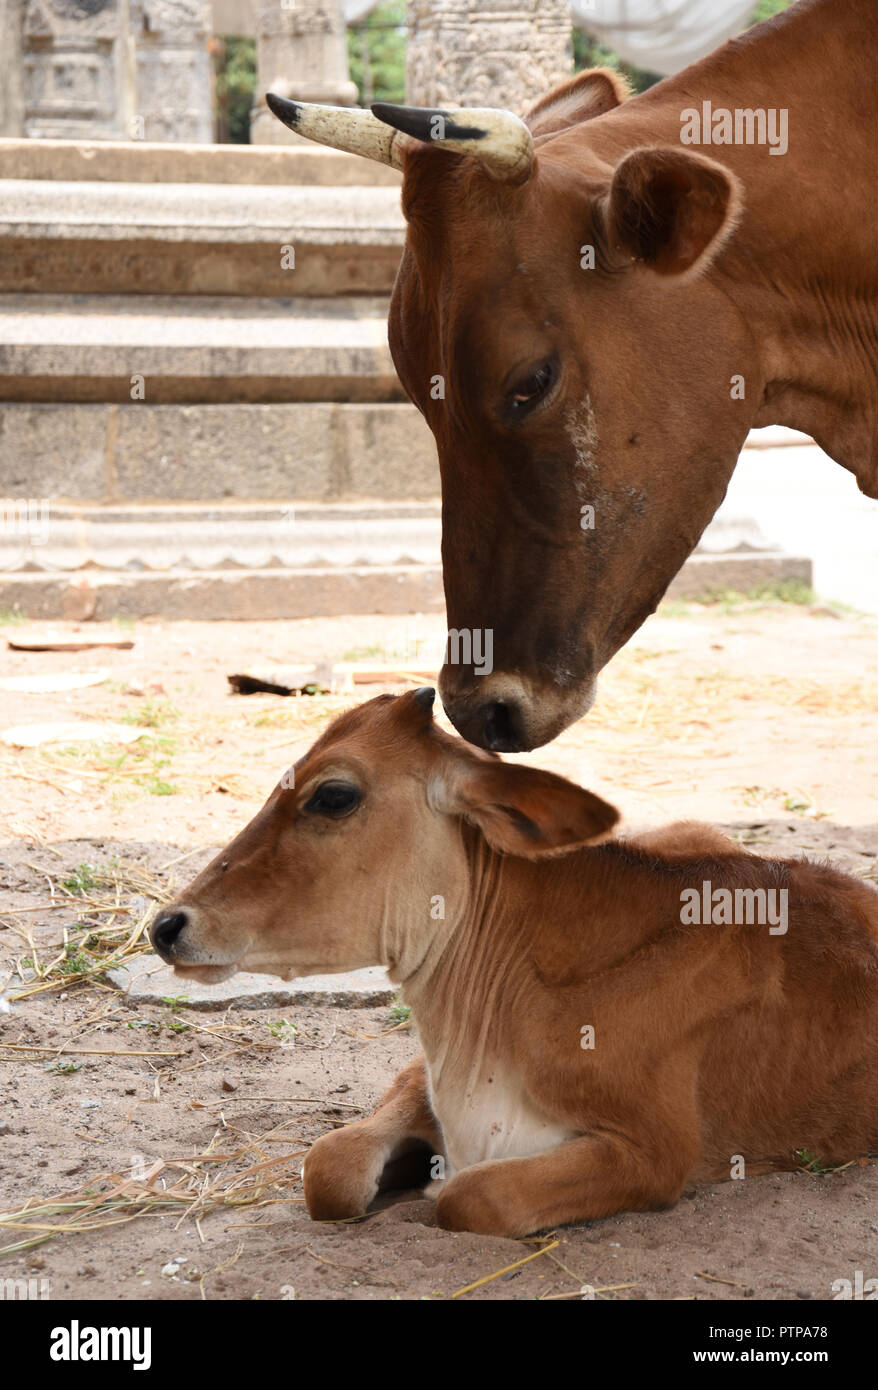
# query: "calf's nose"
[[165, 930]]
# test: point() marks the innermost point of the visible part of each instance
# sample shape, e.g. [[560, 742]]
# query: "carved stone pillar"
[[114, 69], [302, 55], [486, 52], [174, 74], [76, 77], [11, 85]]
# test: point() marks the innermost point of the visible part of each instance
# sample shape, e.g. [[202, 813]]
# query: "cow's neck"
[[802, 268]]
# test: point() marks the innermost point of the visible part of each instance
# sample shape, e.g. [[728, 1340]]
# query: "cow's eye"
[[334, 799], [530, 389]]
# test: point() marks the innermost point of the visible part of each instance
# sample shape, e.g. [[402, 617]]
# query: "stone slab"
[[141, 161], [165, 539], [78, 237], [82, 238], [44, 451], [325, 592], [149, 981], [703, 575], [286, 452], [144, 265], [155, 349], [225, 594], [82, 211]]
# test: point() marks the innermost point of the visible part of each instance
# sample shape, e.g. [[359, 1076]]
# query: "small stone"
[[803, 1293], [227, 1085], [5, 1127]]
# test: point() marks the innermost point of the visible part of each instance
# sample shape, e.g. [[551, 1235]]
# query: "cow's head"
[[559, 319], [348, 860]]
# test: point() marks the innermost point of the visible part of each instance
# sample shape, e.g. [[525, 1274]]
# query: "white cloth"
[[661, 35], [658, 35], [355, 10]]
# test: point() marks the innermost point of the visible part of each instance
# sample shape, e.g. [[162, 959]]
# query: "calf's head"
[[557, 320], [341, 866]]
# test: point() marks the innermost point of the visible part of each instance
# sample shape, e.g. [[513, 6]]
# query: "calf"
[[591, 1042]]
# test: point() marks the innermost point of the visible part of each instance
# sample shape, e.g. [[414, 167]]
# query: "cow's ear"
[[586, 95], [523, 810], [669, 209]]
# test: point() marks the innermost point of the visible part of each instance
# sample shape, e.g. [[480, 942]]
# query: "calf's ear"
[[669, 209], [525, 811]]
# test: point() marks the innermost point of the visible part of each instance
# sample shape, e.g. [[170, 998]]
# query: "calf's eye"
[[335, 799]]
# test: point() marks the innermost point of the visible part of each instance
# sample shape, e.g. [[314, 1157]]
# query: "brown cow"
[[734, 285], [589, 1046]]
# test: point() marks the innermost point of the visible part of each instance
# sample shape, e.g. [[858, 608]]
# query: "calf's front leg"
[[581, 1180], [343, 1170]]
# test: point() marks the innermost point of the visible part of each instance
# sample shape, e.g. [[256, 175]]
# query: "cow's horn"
[[350, 129], [496, 137]]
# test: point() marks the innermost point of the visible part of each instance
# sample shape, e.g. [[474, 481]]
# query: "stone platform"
[[141, 161], [149, 981], [79, 237]]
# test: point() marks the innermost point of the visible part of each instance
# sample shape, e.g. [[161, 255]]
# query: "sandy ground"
[[759, 718]]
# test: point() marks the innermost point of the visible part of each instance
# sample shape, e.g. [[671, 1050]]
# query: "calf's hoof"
[[340, 1176], [474, 1200]]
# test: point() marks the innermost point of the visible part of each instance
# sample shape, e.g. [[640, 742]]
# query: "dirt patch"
[[759, 721]]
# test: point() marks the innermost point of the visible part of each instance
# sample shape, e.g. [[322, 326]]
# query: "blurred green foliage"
[[766, 8], [376, 53], [589, 52], [235, 74]]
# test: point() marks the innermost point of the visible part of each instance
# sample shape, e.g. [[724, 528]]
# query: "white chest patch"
[[490, 1117]]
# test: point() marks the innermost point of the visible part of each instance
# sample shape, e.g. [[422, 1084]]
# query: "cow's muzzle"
[[165, 933], [504, 714]]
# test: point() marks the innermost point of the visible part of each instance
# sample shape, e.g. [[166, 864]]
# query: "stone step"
[[151, 350], [286, 453], [142, 161], [88, 237], [209, 594], [162, 538], [39, 535], [318, 592]]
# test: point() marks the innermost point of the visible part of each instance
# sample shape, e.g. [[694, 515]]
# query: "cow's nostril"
[[500, 730], [165, 930]]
